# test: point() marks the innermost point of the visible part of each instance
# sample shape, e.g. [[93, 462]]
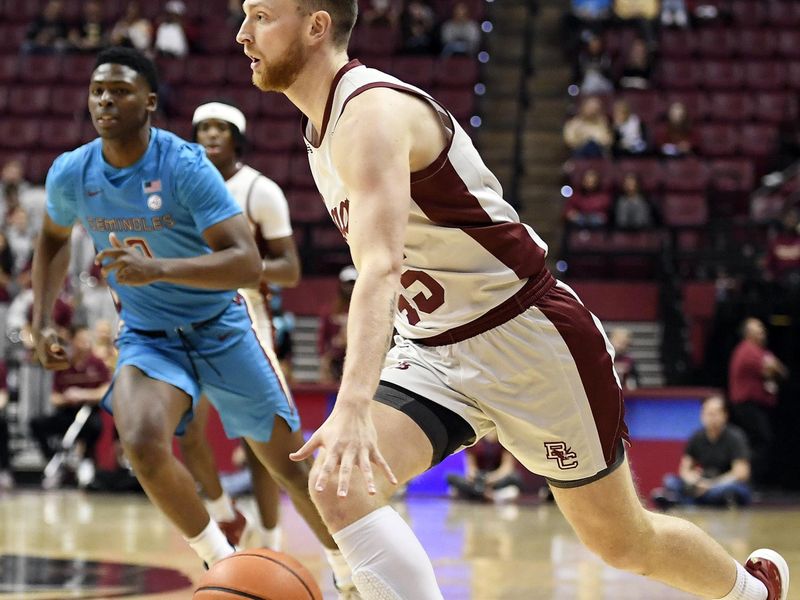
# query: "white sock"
[[211, 545], [341, 570], [271, 538], [387, 559], [746, 587], [221, 509]]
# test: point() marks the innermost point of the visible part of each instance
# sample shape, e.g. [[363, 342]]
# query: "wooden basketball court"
[[480, 552]]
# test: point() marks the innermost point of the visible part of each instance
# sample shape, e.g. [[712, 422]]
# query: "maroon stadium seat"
[[715, 43], [748, 13], [457, 72], [3, 99], [793, 75], [69, 100], [767, 208], [218, 39], [22, 134], [11, 37], [759, 140], [684, 210], [60, 134], [416, 70], [647, 170], [238, 71], [274, 165], [372, 41], [696, 103], [784, 14], [732, 175], [77, 68], [461, 103], [29, 100], [722, 75], [775, 107], [192, 97], [246, 98], [756, 43], [306, 206], [171, 70], [40, 68], [685, 175], [765, 75], [39, 163], [680, 74], [9, 68], [677, 43], [274, 135], [300, 172], [730, 106], [648, 104], [789, 43], [718, 139], [277, 105], [208, 69]]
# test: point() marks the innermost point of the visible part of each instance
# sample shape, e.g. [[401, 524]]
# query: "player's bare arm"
[[50, 264], [233, 263], [379, 140], [281, 265]]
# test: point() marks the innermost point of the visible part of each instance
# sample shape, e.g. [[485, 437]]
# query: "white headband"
[[221, 111]]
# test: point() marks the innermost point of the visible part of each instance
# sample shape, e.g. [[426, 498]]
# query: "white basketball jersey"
[[468, 259]]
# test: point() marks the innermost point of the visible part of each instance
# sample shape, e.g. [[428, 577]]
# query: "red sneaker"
[[771, 569], [234, 528]]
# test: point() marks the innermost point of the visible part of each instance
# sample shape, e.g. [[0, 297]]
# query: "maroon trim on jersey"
[[329, 103], [527, 296], [587, 346]]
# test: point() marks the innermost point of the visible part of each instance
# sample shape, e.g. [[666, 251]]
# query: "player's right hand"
[[50, 349]]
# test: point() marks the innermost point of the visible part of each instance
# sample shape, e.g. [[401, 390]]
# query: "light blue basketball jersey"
[[160, 205]]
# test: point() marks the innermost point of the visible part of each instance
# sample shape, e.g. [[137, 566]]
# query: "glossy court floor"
[[60, 545]]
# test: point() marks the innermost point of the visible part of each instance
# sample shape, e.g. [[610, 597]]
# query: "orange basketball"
[[258, 574]]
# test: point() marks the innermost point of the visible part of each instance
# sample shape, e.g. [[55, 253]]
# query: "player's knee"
[[618, 548], [146, 453]]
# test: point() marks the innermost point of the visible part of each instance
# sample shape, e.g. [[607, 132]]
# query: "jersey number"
[[425, 301]]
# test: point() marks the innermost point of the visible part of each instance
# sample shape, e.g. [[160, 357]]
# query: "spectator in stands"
[[783, 250], [89, 35], [18, 192], [638, 68], [283, 325], [84, 382], [49, 31], [632, 210], [418, 24], [624, 363], [7, 283], [103, 336], [380, 13], [491, 473], [588, 133], [583, 20], [673, 12], [96, 300], [6, 477], [171, 37], [753, 376], [588, 206], [630, 137], [677, 138], [333, 329], [134, 30], [460, 34], [643, 13], [715, 467], [20, 236], [594, 67]]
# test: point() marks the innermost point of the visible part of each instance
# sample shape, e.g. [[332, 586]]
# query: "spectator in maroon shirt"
[[783, 251], [491, 473], [85, 382], [589, 206], [677, 138], [752, 384]]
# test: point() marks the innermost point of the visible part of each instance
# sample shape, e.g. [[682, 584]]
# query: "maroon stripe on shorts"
[[588, 348]]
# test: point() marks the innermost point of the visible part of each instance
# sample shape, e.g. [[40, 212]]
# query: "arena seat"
[[246, 98], [457, 72], [758, 140], [749, 12], [684, 210], [306, 206], [604, 168], [189, 98], [648, 104], [775, 107], [416, 70], [756, 43], [680, 74], [647, 170], [171, 70], [277, 105], [461, 103], [40, 68], [238, 71], [784, 14], [9, 68], [677, 43], [77, 68], [765, 75], [29, 100], [19, 134], [208, 69], [733, 175], [715, 43], [685, 175], [696, 103], [274, 165], [730, 106], [69, 100], [57, 134], [718, 139], [274, 135], [789, 43], [300, 172], [372, 41], [722, 75]]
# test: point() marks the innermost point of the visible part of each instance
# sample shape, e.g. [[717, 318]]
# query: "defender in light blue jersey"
[[174, 247]]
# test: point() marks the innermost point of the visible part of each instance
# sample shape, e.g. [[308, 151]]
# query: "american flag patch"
[[151, 187]]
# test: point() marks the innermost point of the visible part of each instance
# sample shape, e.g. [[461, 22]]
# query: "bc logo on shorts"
[[563, 454]]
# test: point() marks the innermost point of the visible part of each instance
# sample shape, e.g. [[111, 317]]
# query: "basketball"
[[258, 574]]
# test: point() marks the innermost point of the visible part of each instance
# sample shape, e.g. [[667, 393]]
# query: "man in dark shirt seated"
[[715, 467]]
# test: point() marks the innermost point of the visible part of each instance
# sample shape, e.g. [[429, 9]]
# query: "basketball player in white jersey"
[[221, 128], [487, 339]]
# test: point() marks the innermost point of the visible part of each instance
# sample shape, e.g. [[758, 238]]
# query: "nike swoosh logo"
[[93, 192]]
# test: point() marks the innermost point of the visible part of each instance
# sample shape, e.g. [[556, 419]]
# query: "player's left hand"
[[350, 440], [129, 264]]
